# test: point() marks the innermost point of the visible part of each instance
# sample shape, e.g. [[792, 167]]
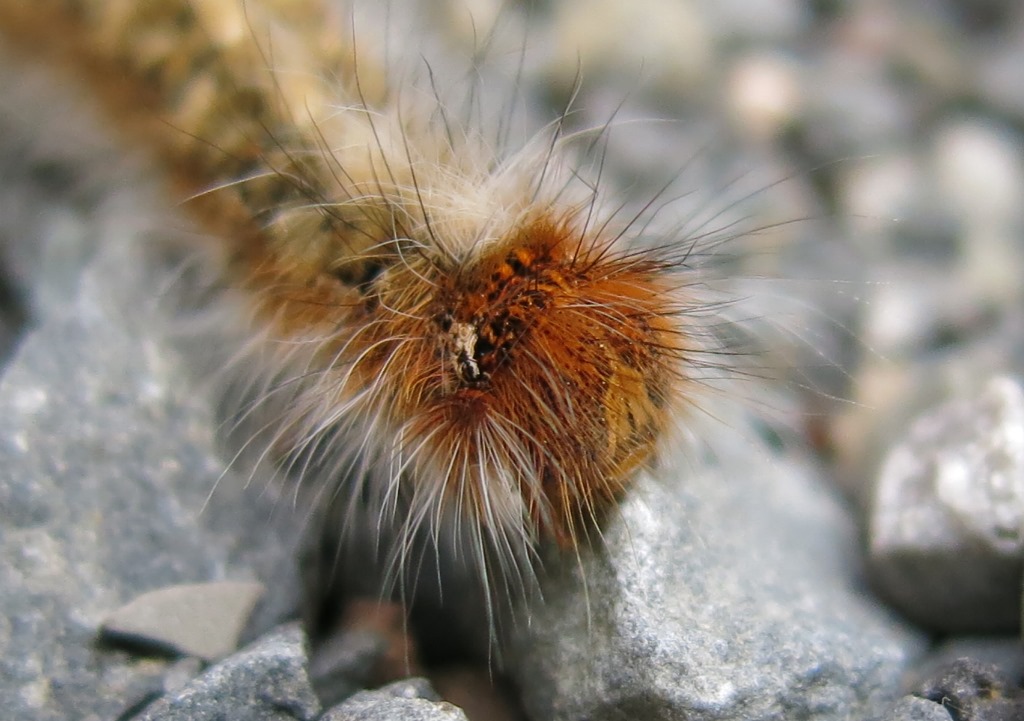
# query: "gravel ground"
[[853, 528]]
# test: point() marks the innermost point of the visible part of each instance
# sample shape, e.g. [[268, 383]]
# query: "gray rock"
[[727, 591], [850, 108], [736, 21], [975, 691], [948, 518], [979, 173], [414, 687], [1003, 652], [1001, 59], [913, 708], [107, 478], [345, 663], [265, 682], [181, 672], [196, 619], [409, 700], [899, 384]]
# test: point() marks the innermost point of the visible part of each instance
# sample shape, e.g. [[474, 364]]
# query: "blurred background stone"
[[947, 527]]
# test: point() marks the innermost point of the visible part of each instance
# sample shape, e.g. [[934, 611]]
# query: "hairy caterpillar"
[[463, 343]]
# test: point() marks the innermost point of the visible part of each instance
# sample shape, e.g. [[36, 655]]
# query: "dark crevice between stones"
[[14, 314]]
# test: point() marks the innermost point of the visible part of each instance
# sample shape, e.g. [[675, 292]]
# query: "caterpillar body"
[[463, 342]]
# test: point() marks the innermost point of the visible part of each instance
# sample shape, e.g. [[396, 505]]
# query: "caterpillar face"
[[523, 383]]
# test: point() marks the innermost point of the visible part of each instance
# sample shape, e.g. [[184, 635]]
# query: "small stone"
[[878, 190], [414, 687], [1004, 652], [662, 41], [979, 171], [265, 682], [195, 619], [999, 72], [913, 708], [850, 108], [974, 691], [755, 20], [948, 518], [764, 94], [409, 700], [914, 374]]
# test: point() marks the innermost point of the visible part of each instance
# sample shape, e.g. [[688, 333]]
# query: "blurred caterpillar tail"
[[455, 339]]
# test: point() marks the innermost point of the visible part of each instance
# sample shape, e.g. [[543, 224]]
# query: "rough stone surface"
[[1003, 652], [974, 691], [914, 708], [107, 464], [196, 619], [903, 141], [265, 682], [947, 527], [345, 663], [411, 700], [729, 593]]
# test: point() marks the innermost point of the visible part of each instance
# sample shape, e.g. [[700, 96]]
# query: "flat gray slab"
[[196, 619]]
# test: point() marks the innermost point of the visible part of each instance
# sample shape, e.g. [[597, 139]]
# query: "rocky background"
[[846, 546]]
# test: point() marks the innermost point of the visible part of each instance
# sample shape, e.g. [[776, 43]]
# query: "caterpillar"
[[462, 343]]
